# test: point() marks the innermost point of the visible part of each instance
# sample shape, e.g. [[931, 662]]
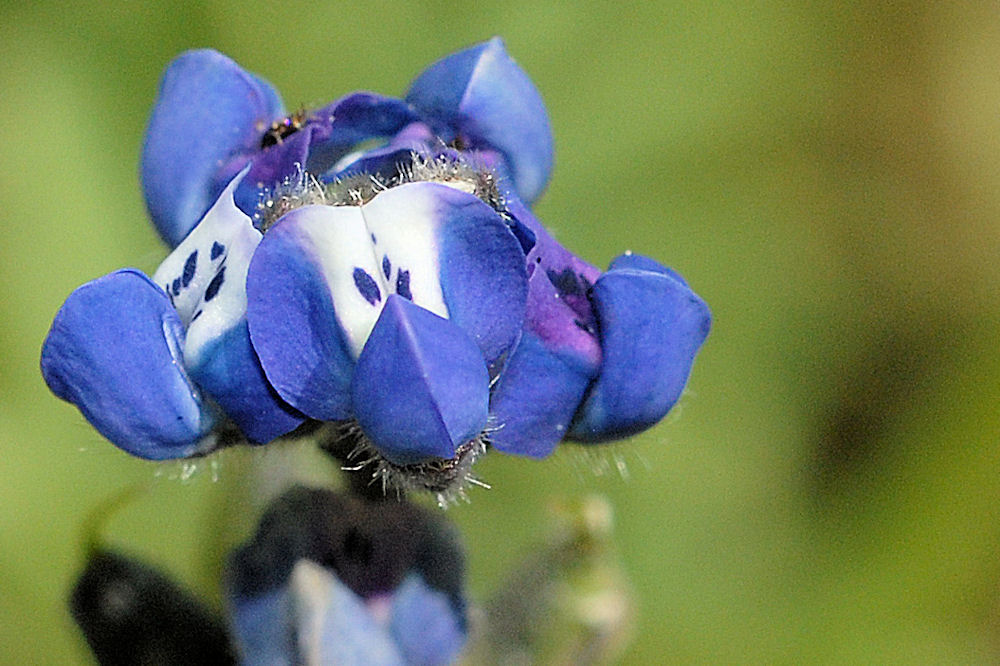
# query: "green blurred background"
[[826, 175]]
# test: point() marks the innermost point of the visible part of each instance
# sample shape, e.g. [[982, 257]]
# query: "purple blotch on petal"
[[217, 250], [367, 286], [190, 265], [213, 287], [403, 284]]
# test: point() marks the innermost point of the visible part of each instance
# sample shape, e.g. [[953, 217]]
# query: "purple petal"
[[546, 377], [115, 352], [535, 398], [425, 625], [651, 327], [208, 110], [489, 101], [420, 387]]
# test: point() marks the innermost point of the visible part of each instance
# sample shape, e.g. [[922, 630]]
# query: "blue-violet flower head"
[[406, 290]]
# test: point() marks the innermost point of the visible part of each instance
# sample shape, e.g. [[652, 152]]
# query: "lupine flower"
[[327, 579], [407, 290], [334, 579]]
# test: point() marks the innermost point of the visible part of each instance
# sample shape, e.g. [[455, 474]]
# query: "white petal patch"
[[205, 276], [341, 247], [403, 221], [366, 253]]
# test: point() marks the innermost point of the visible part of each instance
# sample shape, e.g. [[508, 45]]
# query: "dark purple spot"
[[565, 281], [175, 287], [403, 285], [189, 268], [572, 289], [196, 315], [373, 238], [386, 267], [367, 286], [215, 284], [217, 250]]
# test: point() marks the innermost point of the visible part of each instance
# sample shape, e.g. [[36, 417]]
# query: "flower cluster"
[[375, 263], [327, 579]]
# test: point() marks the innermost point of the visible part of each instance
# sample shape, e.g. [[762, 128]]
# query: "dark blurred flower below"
[[404, 290], [327, 579]]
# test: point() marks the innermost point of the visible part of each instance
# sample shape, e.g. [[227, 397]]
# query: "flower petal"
[[559, 354], [535, 398], [230, 372], [208, 110], [205, 278], [262, 627], [651, 327], [448, 242], [306, 309], [544, 381], [420, 387], [125, 372], [490, 102], [334, 624], [320, 277], [424, 624], [351, 120]]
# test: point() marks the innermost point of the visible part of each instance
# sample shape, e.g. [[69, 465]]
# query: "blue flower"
[[406, 290], [212, 118], [333, 579]]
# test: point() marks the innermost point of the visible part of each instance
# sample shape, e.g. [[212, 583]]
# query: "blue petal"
[[420, 386], [295, 327], [231, 374], [263, 628], [115, 352], [208, 110], [489, 101], [535, 398], [651, 327], [641, 263], [444, 236], [424, 624], [334, 625]]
